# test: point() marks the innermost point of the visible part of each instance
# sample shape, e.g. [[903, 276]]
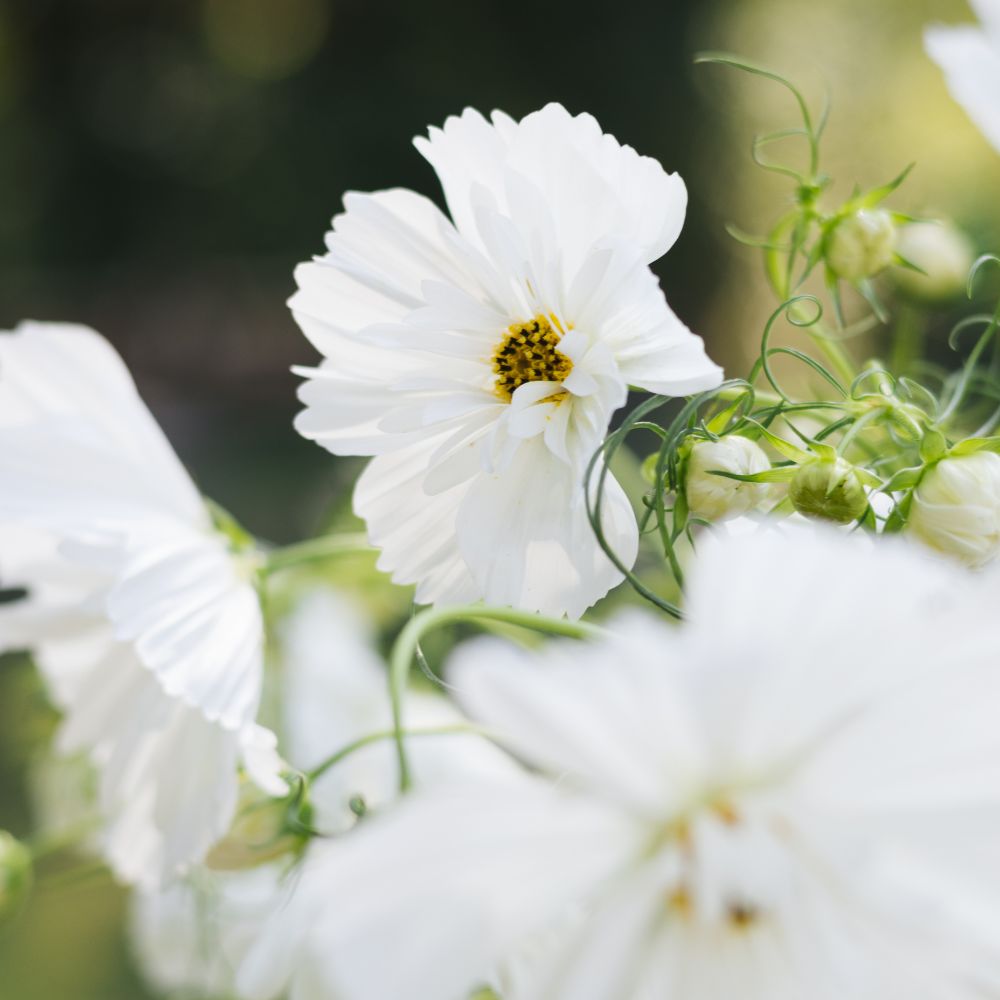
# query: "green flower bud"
[[265, 828], [716, 498], [862, 244], [943, 252], [15, 875], [829, 490]]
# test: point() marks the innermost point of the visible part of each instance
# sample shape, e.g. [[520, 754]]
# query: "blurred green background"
[[165, 163]]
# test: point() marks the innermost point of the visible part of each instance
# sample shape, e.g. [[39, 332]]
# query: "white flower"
[[480, 361], [956, 507], [715, 497], [796, 794], [195, 935], [189, 937], [970, 58], [945, 255], [145, 625]]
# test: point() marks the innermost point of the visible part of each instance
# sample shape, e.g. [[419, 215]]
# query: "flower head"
[[713, 812], [145, 624], [970, 59], [942, 252], [956, 507], [828, 489], [480, 359], [862, 244], [716, 497]]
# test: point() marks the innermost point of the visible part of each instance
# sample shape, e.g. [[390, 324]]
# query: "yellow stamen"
[[529, 353]]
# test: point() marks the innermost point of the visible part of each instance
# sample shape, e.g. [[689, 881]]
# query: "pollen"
[[530, 353]]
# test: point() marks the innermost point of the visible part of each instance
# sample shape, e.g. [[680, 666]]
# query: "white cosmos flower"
[[970, 58], [193, 936], [795, 794], [146, 626], [480, 359]]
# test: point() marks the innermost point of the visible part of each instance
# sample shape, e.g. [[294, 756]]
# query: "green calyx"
[[829, 490]]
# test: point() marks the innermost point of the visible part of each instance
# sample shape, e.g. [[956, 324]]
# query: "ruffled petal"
[[526, 538], [414, 530], [195, 624]]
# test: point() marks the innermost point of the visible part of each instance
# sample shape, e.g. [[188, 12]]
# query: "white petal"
[[72, 422], [167, 775], [525, 535], [195, 624], [414, 530], [592, 187], [971, 63], [447, 899]]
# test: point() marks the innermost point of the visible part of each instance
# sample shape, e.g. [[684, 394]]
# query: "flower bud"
[[15, 875], [828, 489], [261, 831], [943, 252], [956, 507], [717, 498], [862, 244]]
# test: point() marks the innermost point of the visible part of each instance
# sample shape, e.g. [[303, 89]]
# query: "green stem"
[[419, 625], [315, 550], [389, 734], [43, 846], [828, 343]]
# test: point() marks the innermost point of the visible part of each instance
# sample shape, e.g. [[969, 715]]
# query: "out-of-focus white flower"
[[480, 359], [970, 58], [943, 252], [956, 507], [335, 691], [145, 624], [721, 809], [189, 937], [717, 498], [862, 244]]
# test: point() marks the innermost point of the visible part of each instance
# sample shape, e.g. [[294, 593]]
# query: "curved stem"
[[388, 734], [315, 550], [419, 625]]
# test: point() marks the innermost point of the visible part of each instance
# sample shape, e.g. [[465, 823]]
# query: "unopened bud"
[[715, 497], [862, 244], [828, 489], [942, 252], [264, 828], [15, 875], [956, 507]]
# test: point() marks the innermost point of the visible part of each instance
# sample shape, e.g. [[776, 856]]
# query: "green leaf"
[[871, 198], [933, 445], [782, 474], [971, 445], [783, 447], [904, 479]]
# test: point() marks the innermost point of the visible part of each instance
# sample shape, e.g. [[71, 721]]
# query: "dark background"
[[164, 164]]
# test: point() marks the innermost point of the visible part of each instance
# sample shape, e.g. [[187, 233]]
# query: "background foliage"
[[166, 163]]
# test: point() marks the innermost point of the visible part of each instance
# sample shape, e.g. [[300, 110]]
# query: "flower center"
[[529, 353]]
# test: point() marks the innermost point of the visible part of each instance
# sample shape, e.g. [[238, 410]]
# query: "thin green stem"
[[419, 625], [316, 550], [388, 734], [42, 846]]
